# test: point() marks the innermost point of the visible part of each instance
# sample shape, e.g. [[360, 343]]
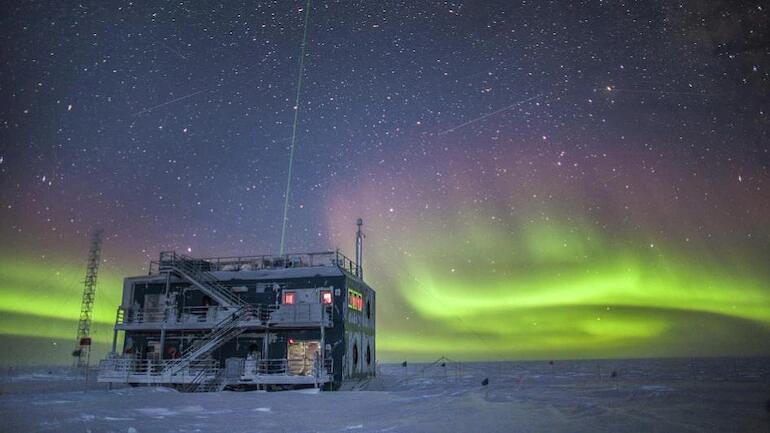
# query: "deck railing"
[[289, 367], [267, 314], [127, 369]]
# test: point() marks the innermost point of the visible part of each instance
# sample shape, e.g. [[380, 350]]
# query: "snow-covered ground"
[[702, 395]]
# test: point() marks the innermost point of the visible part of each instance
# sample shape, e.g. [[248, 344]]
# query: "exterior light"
[[326, 297], [288, 297]]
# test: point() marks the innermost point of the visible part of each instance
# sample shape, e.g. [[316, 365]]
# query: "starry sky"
[[537, 179]]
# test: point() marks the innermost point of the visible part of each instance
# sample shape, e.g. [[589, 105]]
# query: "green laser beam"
[[294, 128]]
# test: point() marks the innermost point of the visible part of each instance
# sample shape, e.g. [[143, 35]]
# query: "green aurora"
[[40, 301], [542, 290], [548, 290]]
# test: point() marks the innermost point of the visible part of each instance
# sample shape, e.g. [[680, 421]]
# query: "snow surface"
[[702, 395]]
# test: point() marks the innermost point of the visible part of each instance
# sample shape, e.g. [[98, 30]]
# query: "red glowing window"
[[326, 297], [288, 297]]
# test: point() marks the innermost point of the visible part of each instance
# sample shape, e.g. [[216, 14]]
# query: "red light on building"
[[288, 297], [291, 341], [326, 297]]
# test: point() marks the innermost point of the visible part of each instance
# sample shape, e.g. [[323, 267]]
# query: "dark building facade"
[[245, 322]]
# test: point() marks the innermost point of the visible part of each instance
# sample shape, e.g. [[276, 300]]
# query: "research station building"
[[256, 322]]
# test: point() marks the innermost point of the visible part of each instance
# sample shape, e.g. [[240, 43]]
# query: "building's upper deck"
[[264, 264]]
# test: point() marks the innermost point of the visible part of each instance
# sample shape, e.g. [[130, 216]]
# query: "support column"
[[163, 342], [114, 339], [322, 357], [165, 318], [266, 344]]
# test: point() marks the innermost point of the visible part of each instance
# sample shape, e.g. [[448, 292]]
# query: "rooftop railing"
[[261, 262]]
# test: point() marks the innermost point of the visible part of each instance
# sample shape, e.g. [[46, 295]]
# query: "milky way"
[[537, 179]]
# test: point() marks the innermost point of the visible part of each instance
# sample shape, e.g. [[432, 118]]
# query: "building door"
[[301, 356]]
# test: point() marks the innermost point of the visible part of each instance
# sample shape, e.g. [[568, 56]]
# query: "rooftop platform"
[[288, 265]]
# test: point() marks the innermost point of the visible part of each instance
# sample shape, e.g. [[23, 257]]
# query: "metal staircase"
[[218, 383], [225, 330], [207, 380], [193, 271]]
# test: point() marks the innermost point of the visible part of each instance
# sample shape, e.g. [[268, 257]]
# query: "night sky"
[[537, 180]]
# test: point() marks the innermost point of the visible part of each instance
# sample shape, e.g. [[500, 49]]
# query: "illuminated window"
[[326, 297], [355, 300], [288, 297]]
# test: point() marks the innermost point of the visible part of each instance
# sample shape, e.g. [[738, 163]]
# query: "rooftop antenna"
[[359, 250], [82, 350]]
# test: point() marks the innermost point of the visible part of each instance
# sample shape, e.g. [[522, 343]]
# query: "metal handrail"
[[128, 365], [282, 366], [193, 270], [202, 373], [221, 330], [264, 313], [258, 262], [298, 313]]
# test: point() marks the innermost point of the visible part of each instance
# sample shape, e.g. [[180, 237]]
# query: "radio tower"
[[82, 350]]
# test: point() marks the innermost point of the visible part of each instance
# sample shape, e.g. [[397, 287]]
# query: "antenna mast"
[[83, 340], [359, 249]]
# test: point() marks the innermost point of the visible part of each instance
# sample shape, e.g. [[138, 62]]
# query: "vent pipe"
[[359, 250]]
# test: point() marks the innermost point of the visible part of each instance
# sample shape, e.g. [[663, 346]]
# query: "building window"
[[326, 297], [368, 310], [355, 354], [368, 355], [355, 300], [289, 297]]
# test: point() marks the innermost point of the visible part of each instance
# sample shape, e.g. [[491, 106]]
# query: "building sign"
[[355, 300]]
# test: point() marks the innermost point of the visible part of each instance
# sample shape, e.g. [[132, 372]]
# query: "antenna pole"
[[359, 250]]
